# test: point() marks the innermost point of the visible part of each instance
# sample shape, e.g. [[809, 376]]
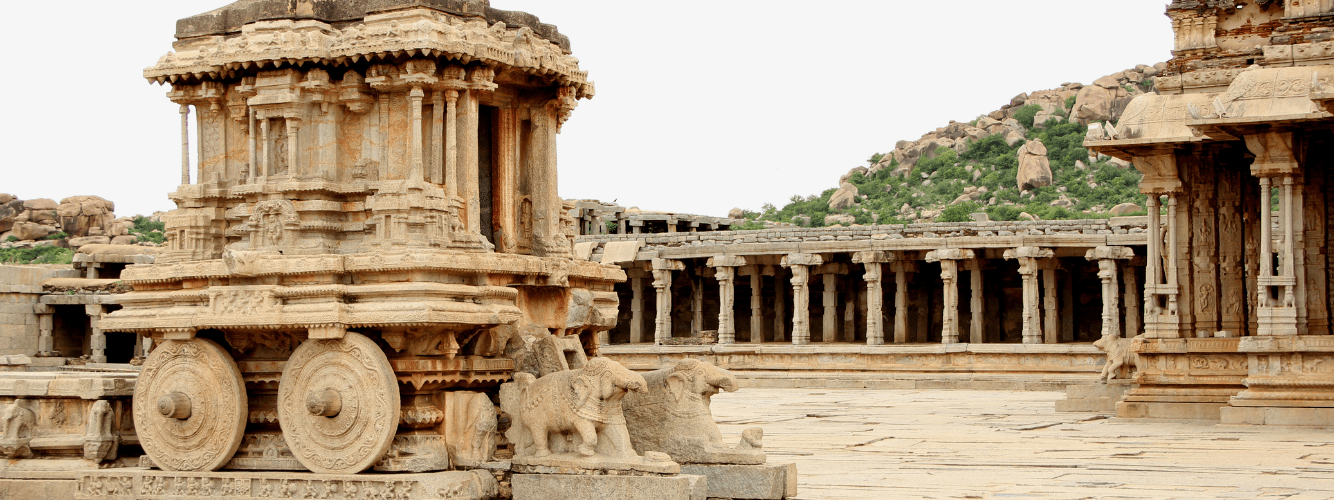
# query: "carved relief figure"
[[16, 422], [584, 403], [1120, 353], [673, 416]]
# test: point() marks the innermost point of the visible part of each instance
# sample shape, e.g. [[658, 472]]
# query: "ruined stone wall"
[[20, 292]]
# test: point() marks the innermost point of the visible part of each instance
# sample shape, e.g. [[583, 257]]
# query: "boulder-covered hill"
[[1024, 160]]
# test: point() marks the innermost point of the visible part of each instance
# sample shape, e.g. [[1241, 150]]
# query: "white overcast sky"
[[700, 106]]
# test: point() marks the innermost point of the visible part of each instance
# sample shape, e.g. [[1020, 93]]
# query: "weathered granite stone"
[[572, 487], [752, 482]]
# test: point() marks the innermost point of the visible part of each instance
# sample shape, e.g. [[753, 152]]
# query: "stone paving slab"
[[878, 444]]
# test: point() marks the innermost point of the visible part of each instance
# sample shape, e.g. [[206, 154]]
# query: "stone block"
[[581, 487], [123, 483], [37, 488], [1086, 405], [752, 482], [1240, 415], [1168, 411]]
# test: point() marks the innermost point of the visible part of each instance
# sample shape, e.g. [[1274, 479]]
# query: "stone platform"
[[909, 444], [1101, 398], [583, 487], [1012, 367], [751, 482], [151, 484]]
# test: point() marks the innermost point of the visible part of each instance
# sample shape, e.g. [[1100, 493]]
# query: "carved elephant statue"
[[583, 403], [1120, 353], [673, 416]]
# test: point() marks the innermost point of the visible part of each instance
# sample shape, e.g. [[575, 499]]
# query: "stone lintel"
[[802, 259], [949, 254], [832, 268], [668, 265], [873, 257], [1118, 253], [1029, 253], [726, 261]]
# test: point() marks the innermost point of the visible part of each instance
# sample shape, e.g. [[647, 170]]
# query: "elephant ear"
[[608, 386], [676, 384], [582, 390]]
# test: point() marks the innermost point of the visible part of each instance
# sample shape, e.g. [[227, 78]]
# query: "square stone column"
[[696, 305], [875, 295], [1279, 300], [1132, 298], [1028, 270], [1106, 258], [1051, 326], [800, 264], [98, 342], [1161, 314], [780, 305], [756, 274], [636, 276], [976, 327], [46, 343], [725, 272], [901, 269], [949, 276], [662, 285], [829, 299]]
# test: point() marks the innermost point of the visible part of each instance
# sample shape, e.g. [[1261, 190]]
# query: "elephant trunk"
[[726, 382]]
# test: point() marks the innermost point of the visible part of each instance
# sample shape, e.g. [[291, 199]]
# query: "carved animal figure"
[[585, 403], [1120, 353], [673, 416], [16, 422]]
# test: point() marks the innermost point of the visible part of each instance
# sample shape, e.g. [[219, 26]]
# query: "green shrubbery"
[[148, 230], [1026, 113], [45, 254], [949, 175]]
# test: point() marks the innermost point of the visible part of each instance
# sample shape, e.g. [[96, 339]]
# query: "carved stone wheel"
[[190, 406], [338, 404]]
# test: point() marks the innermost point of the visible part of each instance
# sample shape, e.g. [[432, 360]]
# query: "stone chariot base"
[[151, 484]]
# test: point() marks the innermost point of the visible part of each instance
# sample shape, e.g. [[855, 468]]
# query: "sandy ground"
[[881, 444]]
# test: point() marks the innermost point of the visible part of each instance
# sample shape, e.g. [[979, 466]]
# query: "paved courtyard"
[[881, 444]]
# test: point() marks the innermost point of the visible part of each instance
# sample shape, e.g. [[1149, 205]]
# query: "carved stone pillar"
[[435, 171], [417, 172], [976, 327], [949, 277], [1051, 326], [293, 145], [1161, 314], [46, 343], [1132, 325], [662, 285], [185, 144], [800, 264], [901, 270], [1276, 166], [696, 305], [469, 189], [250, 147], [451, 144], [98, 342], [636, 276], [757, 274], [780, 306], [1028, 269], [875, 296], [829, 299], [725, 272], [1106, 258]]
